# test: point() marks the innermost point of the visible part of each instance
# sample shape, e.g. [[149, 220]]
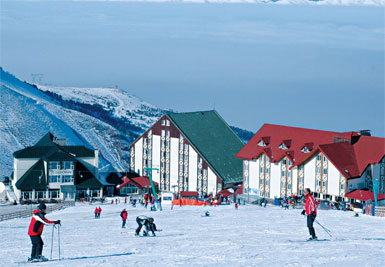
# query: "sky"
[[319, 67]]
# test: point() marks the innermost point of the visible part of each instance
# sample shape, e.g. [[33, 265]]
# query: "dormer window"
[[305, 150], [282, 146], [261, 143]]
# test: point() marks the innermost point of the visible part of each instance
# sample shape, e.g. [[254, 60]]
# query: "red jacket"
[[37, 223], [99, 210], [123, 214], [310, 205], [96, 210]]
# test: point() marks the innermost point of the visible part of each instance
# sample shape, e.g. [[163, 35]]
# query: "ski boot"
[[42, 258], [311, 238]]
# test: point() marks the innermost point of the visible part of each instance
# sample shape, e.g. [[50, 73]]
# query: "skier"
[[35, 230], [96, 212], [99, 212], [148, 223], [123, 214], [311, 212]]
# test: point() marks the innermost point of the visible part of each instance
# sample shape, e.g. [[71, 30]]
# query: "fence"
[[370, 209], [28, 213]]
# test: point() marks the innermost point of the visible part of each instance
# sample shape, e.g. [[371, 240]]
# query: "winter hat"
[[41, 206]]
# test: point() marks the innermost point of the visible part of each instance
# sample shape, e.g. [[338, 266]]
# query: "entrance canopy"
[[364, 195]]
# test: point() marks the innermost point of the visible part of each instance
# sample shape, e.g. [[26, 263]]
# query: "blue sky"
[[317, 67]]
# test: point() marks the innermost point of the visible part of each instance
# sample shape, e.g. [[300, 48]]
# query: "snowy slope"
[[119, 102], [286, 2], [250, 236], [26, 114]]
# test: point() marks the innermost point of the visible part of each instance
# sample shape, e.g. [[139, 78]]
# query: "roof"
[[364, 195], [45, 147], [294, 138], [350, 157], [210, 135], [34, 178], [189, 194], [225, 193], [85, 178], [140, 182]]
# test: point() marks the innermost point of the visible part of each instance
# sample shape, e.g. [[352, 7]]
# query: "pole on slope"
[[152, 182], [324, 228], [53, 228], [58, 237]]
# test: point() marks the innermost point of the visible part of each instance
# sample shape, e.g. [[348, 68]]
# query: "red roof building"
[[282, 160]]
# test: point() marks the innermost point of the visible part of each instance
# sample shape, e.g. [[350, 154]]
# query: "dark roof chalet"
[[34, 178]]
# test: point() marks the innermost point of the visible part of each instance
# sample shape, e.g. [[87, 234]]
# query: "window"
[[342, 186], [168, 133], [300, 167], [325, 171], [261, 157], [325, 159], [301, 179], [324, 183], [305, 150], [246, 167], [53, 179], [167, 123], [186, 147], [283, 173], [163, 132], [267, 183], [267, 194], [67, 179], [261, 181], [41, 194], [284, 161], [54, 194], [318, 170], [68, 165], [167, 143], [282, 146], [261, 170], [186, 158], [289, 186], [318, 157], [318, 183], [261, 143], [289, 162], [180, 156], [267, 159], [289, 174], [26, 194], [163, 122], [54, 165], [267, 170]]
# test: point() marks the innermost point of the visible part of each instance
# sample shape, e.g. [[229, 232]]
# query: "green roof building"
[[195, 152], [52, 170]]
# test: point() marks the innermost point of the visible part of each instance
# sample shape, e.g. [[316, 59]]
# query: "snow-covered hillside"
[[26, 114], [249, 236]]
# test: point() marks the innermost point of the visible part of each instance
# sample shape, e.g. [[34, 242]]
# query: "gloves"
[[57, 222], [303, 212], [313, 214]]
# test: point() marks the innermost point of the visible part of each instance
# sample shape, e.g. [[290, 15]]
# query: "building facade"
[[52, 170], [193, 151], [280, 161]]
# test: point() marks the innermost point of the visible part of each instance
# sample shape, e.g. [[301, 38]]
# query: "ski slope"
[[249, 236]]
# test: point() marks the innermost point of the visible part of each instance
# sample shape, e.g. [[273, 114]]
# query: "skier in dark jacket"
[[123, 214], [35, 230], [148, 223]]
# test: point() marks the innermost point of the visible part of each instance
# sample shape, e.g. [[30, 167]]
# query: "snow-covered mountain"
[[104, 118], [107, 119]]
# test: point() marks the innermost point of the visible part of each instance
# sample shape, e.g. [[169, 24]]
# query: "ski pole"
[[53, 228], [58, 236], [325, 229]]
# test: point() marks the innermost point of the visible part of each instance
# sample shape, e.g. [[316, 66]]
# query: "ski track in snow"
[[249, 236]]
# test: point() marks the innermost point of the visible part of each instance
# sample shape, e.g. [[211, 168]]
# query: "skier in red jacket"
[[311, 212], [123, 214], [35, 230], [96, 212]]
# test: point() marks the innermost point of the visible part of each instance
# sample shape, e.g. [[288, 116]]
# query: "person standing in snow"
[[96, 212], [35, 230], [99, 212], [311, 212], [123, 215], [148, 223]]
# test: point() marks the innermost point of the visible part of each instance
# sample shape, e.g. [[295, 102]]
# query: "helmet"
[[41, 206], [151, 220], [207, 213]]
